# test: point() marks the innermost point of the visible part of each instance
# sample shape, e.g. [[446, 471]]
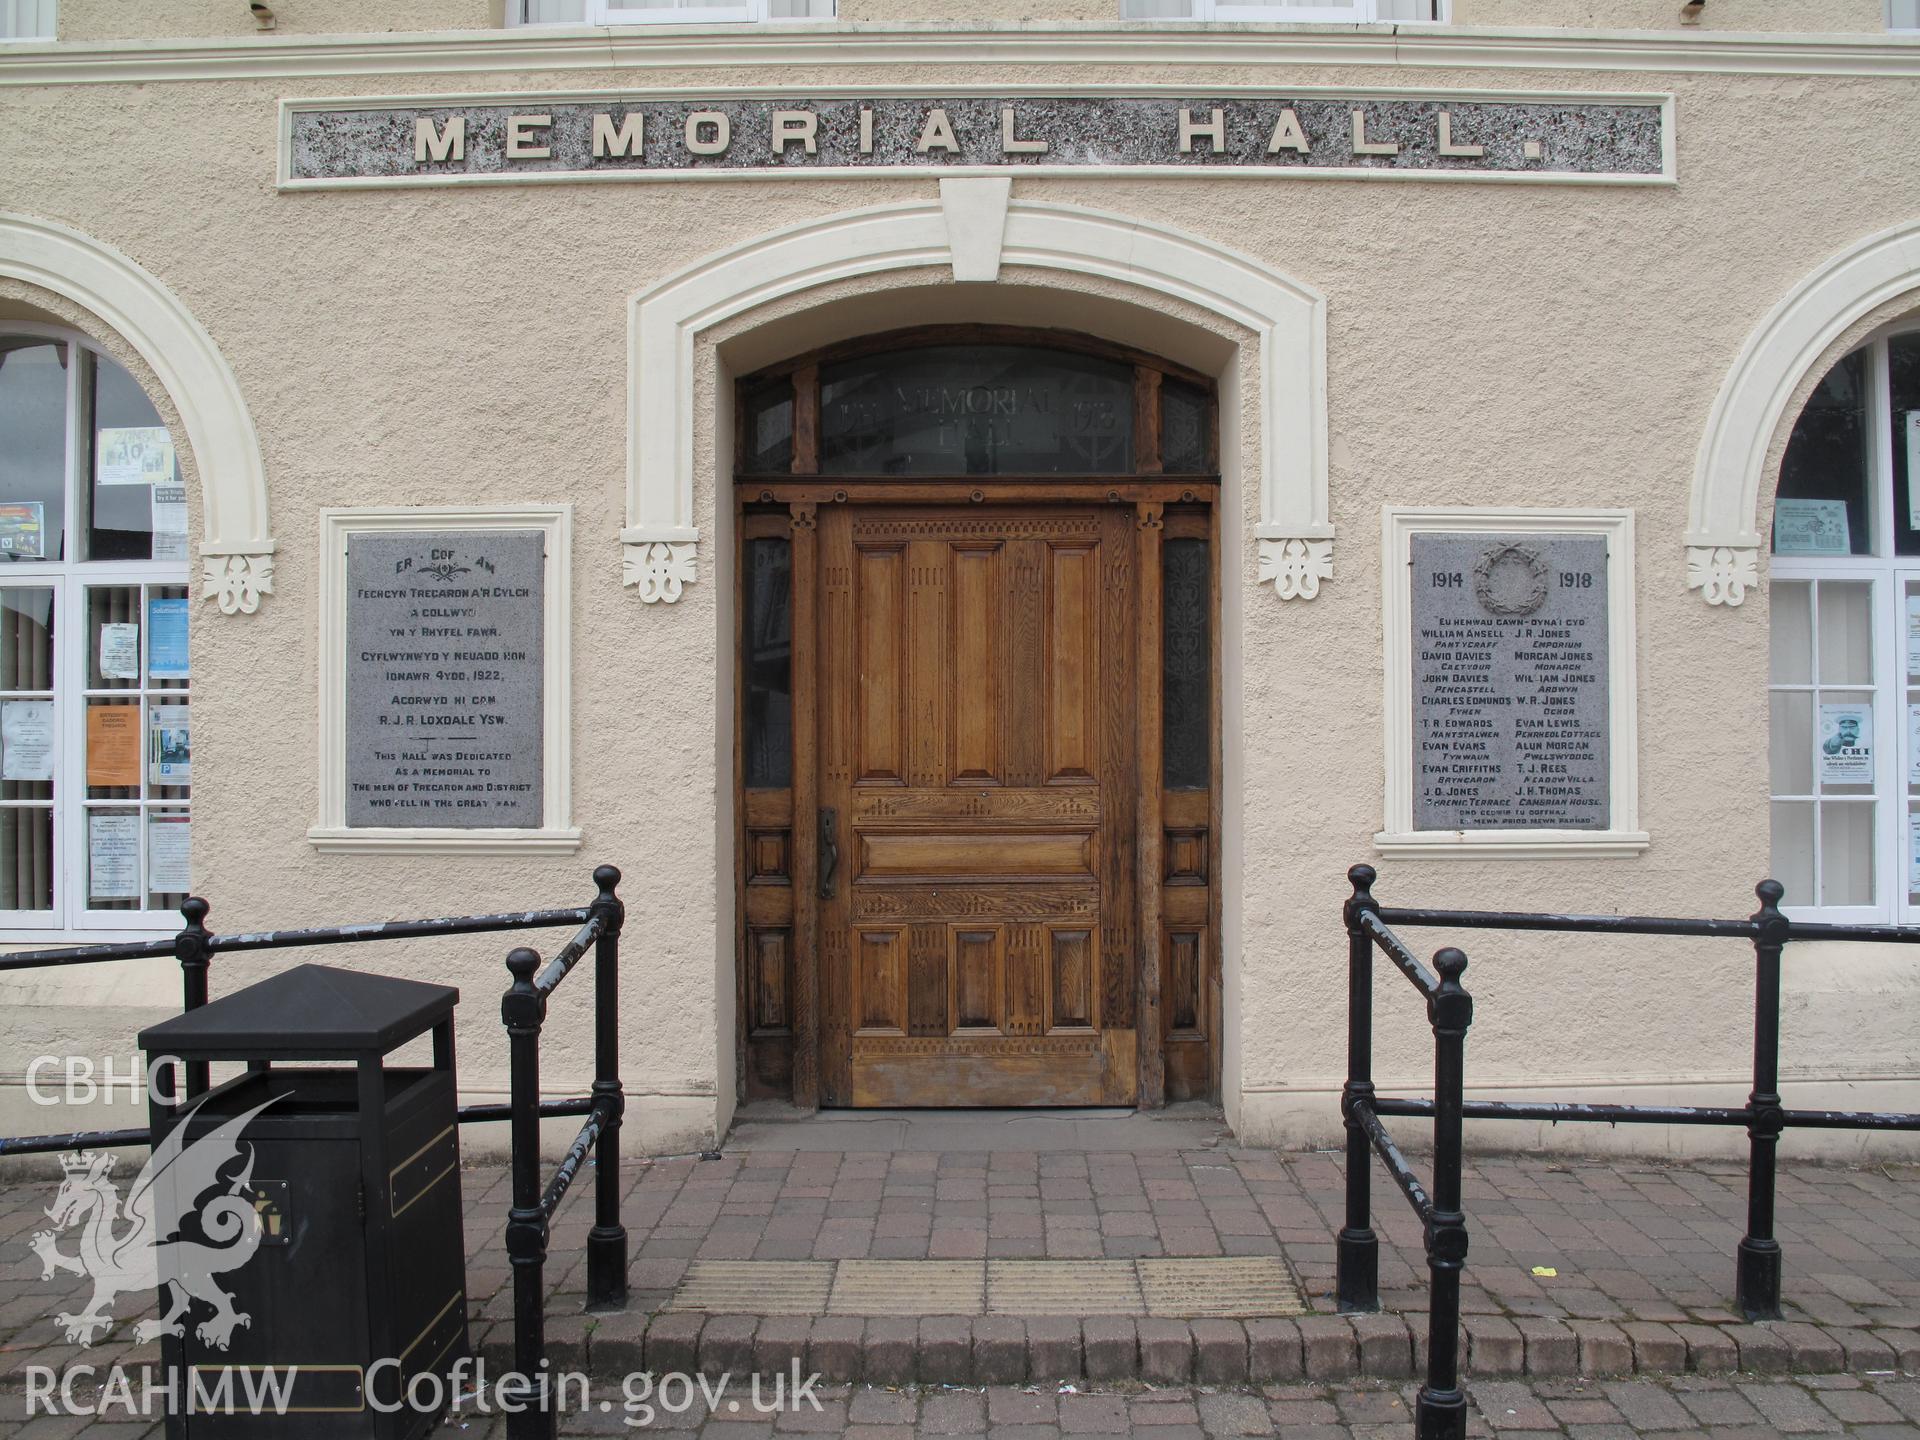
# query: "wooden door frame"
[[1196, 507]]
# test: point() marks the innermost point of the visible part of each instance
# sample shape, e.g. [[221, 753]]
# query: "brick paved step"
[[988, 1349]]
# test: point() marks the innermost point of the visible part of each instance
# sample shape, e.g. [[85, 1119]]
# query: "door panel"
[[977, 743]]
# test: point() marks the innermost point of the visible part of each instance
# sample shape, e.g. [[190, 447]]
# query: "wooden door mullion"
[[806, 843], [1150, 1033]]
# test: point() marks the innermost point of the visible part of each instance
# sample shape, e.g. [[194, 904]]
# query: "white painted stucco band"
[[976, 226], [236, 548], [1723, 529]]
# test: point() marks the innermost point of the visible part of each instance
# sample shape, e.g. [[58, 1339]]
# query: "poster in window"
[[169, 746], [1913, 852], [133, 455], [167, 854], [1846, 744], [113, 746], [120, 651], [1913, 469], [166, 639], [26, 740], [1913, 744], [113, 857], [23, 530], [1811, 527], [1913, 636], [170, 521]]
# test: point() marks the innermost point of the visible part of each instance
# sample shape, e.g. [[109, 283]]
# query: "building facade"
[[983, 516]]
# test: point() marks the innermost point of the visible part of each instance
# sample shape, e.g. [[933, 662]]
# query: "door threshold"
[[774, 1126]]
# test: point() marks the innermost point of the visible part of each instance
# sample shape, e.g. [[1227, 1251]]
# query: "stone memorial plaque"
[[1510, 682], [444, 703]]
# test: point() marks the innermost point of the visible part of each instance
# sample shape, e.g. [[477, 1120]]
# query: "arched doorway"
[[978, 723]]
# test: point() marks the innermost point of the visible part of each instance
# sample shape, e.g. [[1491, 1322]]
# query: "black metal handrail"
[[1440, 1411], [195, 946], [523, 1009]]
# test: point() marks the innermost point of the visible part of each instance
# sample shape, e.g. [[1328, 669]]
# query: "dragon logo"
[[138, 1257]]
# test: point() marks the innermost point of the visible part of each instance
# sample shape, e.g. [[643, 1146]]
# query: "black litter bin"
[[356, 1286]]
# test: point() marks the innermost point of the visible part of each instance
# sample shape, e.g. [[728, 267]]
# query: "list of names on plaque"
[[1510, 682], [444, 704]]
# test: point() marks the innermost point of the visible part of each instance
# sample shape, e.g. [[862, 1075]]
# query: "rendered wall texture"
[[1488, 344], [182, 19]]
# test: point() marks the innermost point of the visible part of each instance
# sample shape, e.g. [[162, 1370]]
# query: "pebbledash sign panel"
[[444, 140]]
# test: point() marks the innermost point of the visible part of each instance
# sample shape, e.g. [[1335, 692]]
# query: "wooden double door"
[[978, 774], [973, 886]]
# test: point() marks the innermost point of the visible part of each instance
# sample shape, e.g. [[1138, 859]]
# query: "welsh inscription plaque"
[[444, 666], [1510, 682]]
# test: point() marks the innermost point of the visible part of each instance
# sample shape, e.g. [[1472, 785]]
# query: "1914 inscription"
[[1510, 692], [444, 664]]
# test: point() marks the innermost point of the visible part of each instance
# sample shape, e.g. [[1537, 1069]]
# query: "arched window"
[[1845, 673], [95, 748], [976, 401]]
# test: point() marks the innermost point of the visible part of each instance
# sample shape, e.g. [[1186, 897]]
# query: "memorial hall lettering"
[[1510, 682]]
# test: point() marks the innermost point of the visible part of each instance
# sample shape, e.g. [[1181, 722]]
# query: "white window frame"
[[1889, 575], [69, 578], [14, 21], [1360, 12], [556, 833], [1623, 837], [612, 12]]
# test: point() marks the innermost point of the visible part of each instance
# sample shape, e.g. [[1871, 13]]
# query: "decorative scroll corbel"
[[236, 579], [1296, 567], [1723, 573], [661, 568]]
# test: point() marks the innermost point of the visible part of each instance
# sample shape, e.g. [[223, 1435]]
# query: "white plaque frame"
[[1399, 840], [330, 833]]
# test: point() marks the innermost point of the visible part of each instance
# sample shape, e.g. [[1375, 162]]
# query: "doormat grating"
[[1233, 1288]]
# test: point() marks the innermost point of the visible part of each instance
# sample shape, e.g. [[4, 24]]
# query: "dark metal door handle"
[[829, 854]]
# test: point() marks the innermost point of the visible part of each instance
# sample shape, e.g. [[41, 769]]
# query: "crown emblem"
[[77, 1162]]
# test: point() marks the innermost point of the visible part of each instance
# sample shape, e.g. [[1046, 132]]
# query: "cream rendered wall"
[[1754, 16], [1503, 345], [180, 19]]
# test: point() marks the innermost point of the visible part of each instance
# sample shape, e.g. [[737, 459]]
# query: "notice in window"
[[169, 746], [167, 854], [1811, 527], [1913, 744], [23, 530], [445, 679], [1913, 469], [120, 651], [1913, 636], [1913, 852], [166, 639], [170, 521], [1511, 728], [1846, 744], [113, 857], [113, 747], [133, 455], [26, 740]]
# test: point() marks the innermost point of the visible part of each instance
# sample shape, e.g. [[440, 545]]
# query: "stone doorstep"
[[1011, 1350]]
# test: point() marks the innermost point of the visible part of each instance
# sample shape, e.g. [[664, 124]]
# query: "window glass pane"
[[1156, 9], [113, 637], [1823, 506], [1910, 721], [1906, 14], [26, 858], [1793, 851], [769, 665], [1903, 375], [800, 10], [1792, 632], [1846, 853], [113, 742], [134, 487], [1186, 705], [1184, 422], [1846, 633], [26, 638], [33, 448], [28, 725], [769, 435], [167, 858], [1792, 743], [169, 747], [166, 637], [1849, 752], [977, 410], [553, 12], [113, 858]]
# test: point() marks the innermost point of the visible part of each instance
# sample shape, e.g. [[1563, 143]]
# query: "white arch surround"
[[1723, 534], [976, 227], [236, 548]]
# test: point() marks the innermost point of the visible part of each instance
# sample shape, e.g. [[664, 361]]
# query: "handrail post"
[[194, 948], [1357, 1282], [523, 1009], [1440, 1411], [607, 1241], [1757, 1283]]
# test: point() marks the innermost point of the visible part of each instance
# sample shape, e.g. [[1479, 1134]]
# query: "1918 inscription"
[[444, 663], [1510, 682]]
